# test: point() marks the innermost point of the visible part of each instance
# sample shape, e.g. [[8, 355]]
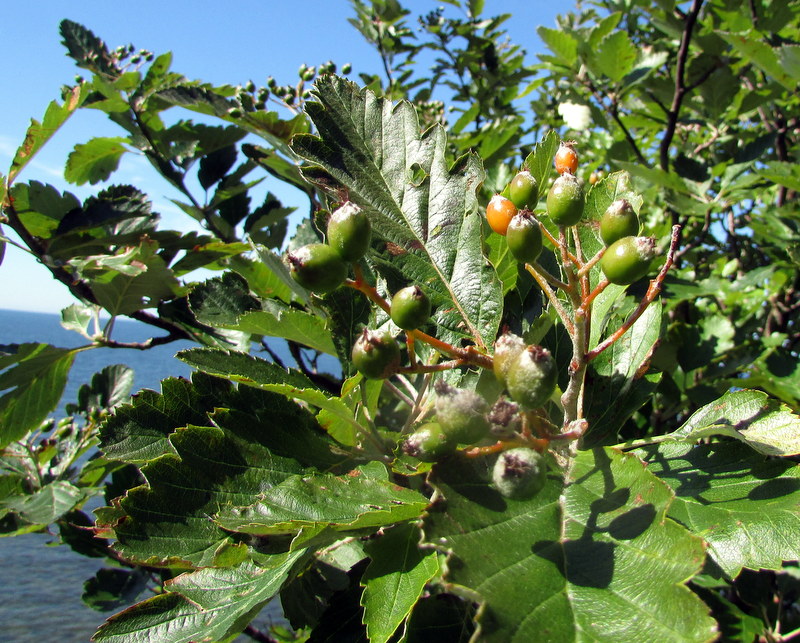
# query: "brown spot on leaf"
[[394, 249]]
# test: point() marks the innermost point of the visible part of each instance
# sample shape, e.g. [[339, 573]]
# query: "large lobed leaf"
[[591, 557], [363, 498], [744, 505], [207, 446], [422, 208]]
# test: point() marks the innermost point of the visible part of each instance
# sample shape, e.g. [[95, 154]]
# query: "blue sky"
[[213, 41]]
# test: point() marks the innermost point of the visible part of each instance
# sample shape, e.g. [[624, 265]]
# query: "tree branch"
[[680, 84]]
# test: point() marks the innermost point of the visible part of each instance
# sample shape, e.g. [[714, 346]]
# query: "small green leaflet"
[[33, 380], [395, 579]]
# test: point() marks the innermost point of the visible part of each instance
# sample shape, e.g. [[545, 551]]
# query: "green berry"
[[519, 473], [429, 443], [506, 349], [349, 232], [523, 190], [531, 377], [411, 308], [628, 259], [565, 200], [524, 237], [376, 354], [461, 413], [618, 221], [317, 267]]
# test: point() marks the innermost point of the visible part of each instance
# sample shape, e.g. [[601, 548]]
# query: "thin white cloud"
[[8, 148]]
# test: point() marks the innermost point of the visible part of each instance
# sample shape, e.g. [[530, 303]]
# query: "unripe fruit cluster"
[[461, 418], [512, 217], [627, 257], [321, 268], [377, 355], [528, 372]]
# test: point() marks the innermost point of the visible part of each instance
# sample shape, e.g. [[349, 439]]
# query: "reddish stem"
[[467, 355]]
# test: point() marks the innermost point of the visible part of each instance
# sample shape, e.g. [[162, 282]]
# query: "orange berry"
[[499, 213], [566, 159]]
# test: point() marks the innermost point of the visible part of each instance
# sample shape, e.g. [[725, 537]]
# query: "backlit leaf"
[[33, 381], [94, 161], [423, 208]]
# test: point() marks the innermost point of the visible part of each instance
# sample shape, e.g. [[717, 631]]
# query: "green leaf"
[[225, 302], [425, 209], [109, 387], [39, 133], [496, 134], [34, 378], [94, 161], [655, 176], [394, 580], [279, 320], [280, 273], [767, 426], [787, 174], [620, 373], [214, 166], [363, 498], [540, 161], [41, 207], [247, 442], [592, 556], [206, 605], [562, 44], [221, 301], [115, 211], [754, 50], [266, 376], [112, 588], [77, 317], [141, 279], [789, 57], [87, 49], [616, 185], [744, 505], [614, 57], [49, 503], [157, 77], [139, 431]]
